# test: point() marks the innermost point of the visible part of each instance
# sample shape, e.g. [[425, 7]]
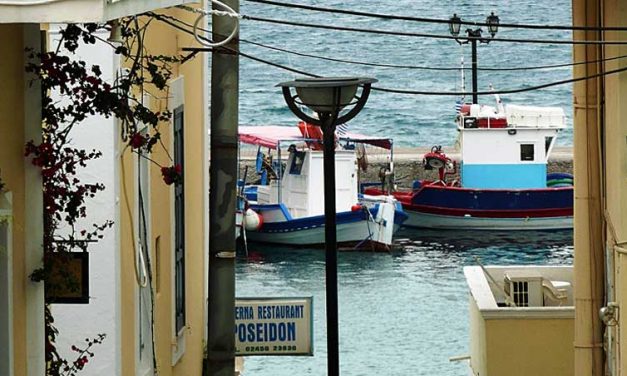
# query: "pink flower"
[[172, 174], [137, 141]]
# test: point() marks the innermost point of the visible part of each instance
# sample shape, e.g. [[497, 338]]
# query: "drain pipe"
[[589, 259]]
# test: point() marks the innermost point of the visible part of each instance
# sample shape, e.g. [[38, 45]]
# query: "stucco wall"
[[78, 321], [521, 347], [540, 347], [20, 121], [12, 172], [163, 39], [615, 13]]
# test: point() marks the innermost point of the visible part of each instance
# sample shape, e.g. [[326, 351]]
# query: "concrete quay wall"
[[408, 163]]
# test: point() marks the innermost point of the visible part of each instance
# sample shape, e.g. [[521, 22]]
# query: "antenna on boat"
[[499, 104], [463, 78]]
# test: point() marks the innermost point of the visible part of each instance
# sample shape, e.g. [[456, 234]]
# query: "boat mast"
[[463, 78]]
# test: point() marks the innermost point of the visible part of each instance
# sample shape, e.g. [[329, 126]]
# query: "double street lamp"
[[474, 36], [328, 96]]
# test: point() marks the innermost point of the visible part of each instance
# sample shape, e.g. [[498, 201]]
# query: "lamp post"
[[474, 36], [328, 96]]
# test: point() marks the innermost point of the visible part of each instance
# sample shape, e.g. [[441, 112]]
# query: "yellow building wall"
[[163, 39], [12, 172], [478, 361], [522, 347], [615, 14]]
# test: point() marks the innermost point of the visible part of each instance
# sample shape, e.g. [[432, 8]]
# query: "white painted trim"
[[6, 310], [119, 149], [529, 313], [143, 369], [177, 96], [33, 219], [176, 99]]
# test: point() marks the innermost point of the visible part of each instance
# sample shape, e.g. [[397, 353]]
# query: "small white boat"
[[287, 207]]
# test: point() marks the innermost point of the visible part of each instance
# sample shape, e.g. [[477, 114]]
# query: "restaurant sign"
[[273, 326]]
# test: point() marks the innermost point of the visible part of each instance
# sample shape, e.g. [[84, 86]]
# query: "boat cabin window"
[[547, 144], [526, 152], [297, 162]]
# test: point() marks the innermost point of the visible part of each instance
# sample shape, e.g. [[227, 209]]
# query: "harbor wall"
[[408, 164]]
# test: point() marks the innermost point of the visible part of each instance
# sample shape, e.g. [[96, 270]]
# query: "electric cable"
[[227, 12], [425, 35], [429, 68], [436, 20], [406, 66], [506, 91], [401, 91], [230, 50]]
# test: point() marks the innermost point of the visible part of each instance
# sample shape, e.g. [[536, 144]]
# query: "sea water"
[[400, 313], [412, 120], [403, 313]]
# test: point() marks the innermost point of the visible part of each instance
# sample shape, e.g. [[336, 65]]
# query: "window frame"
[[179, 221], [144, 365]]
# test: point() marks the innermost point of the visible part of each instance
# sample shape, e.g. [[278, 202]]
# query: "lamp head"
[[493, 24], [327, 95], [454, 25]]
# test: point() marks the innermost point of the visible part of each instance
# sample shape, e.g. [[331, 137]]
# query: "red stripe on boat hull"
[[536, 213]]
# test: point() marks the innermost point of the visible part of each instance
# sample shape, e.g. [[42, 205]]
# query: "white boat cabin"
[[301, 186], [508, 148]]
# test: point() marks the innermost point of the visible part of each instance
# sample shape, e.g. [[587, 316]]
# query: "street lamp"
[[474, 35], [328, 96]]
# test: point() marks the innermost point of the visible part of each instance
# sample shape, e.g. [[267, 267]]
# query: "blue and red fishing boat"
[[501, 182]]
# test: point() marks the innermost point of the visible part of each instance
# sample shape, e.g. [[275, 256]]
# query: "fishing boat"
[[501, 182], [286, 205]]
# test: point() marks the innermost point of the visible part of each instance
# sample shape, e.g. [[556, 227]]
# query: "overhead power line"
[[429, 68], [425, 35], [388, 90], [506, 91], [435, 20], [405, 66], [163, 19]]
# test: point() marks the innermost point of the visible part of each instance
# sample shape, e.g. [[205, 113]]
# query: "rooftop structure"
[[521, 320]]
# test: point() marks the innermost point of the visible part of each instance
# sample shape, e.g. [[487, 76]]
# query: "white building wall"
[[79, 321]]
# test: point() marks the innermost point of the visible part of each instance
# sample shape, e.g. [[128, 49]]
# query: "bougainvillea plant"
[[56, 364], [82, 93]]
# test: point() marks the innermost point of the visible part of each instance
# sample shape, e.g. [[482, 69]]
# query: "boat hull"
[[349, 236], [435, 221], [365, 229], [444, 207]]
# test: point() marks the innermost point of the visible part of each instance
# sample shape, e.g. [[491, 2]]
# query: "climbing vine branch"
[[80, 91]]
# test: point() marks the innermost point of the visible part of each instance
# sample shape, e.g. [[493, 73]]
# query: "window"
[[527, 152], [547, 144], [179, 223], [297, 162]]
